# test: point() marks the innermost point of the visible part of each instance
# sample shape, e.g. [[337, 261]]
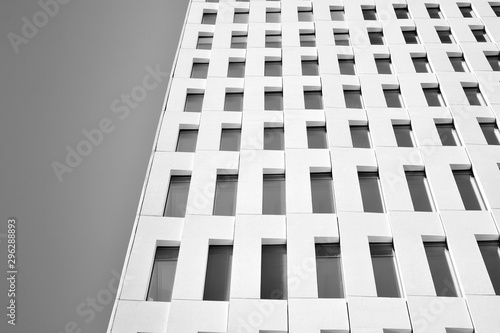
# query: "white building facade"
[[323, 166]]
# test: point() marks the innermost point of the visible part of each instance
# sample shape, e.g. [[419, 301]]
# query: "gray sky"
[[67, 77]]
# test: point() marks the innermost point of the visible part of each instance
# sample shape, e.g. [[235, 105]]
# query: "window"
[[240, 18], [239, 42], [438, 257], [209, 18], [491, 256], [393, 98], [467, 11], [236, 69], [305, 15], [337, 14], [234, 102], [177, 196], [341, 38], [421, 64], [402, 12], [273, 198], [273, 272], [274, 138], [225, 195], [496, 9], [369, 14], [459, 64], [494, 61], [316, 137], [360, 136], [310, 67], [448, 134], [384, 270], [384, 65], [347, 67], [474, 96], [216, 1], [273, 41], [187, 140], [434, 11], [370, 192], [313, 100], [273, 100], [194, 102], [433, 97], [480, 35], [329, 271], [273, 17], [376, 37], [411, 37], [307, 40], [163, 276], [230, 139], [217, 280], [419, 191], [404, 135], [199, 71], [491, 134], [272, 68], [205, 42], [445, 36], [469, 191], [353, 99], [322, 193]]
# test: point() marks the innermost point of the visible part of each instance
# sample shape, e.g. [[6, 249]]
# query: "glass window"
[[163, 276], [438, 257], [199, 71], [474, 96], [467, 11], [491, 256], [209, 18], [273, 17], [274, 138], [421, 65], [273, 198], [225, 195], [360, 136], [376, 37], [217, 280], [494, 61], [347, 67], [402, 12], [234, 102], [305, 16], [411, 37], [445, 36], [329, 271], [353, 99], [337, 14], [480, 35], [322, 193], [341, 38], [491, 133], [205, 42], [239, 42], [369, 14], [384, 65], [273, 41], [230, 139], [313, 100], [194, 102], [496, 9], [469, 191], [434, 11], [186, 141], [448, 134], [272, 68], [307, 40], [177, 195], [459, 64], [273, 100], [393, 98], [310, 67], [433, 97], [236, 69], [240, 18], [384, 270], [370, 192], [419, 191], [273, 272], [316, 137], [404, 135]]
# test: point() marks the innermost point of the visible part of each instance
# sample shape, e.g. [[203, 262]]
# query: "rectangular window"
[[376, 37], [204, 42], [459, 64], [177, 196], [273, 68], [239, 42], [434, 11], [186, 141], [469, 191], [236, 69], [411, 37], [230, 139], [496, 9], [313, 100], [305, 15], [225, 195], [467, 11], [310, 67], [433, 97], [353, 99], [199, 71], [421, 64], [273, 17], [369, 14], [448, 134], [274, 138], [307, 40], [384, 270], [337, 14], [273, 41], [474, 96], [369, 184], [490, 252], [419, 191], [384, 65], [240, 18], [445, 36], [329, 271], [273, 100], [494, 62], [163, 276], [209, 18], [438, 257], [491, 133], [218, 278], [360, 136], [341, 38], [233, 102], [402, 12], [480, 35], [404, 135], [393, 98], [273, 272], [347, 67], [273, 198], [194, 102], [322, 193], [316, 137]]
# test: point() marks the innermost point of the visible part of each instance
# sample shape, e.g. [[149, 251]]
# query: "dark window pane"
[[433, 97], [434, 12], [272, 68], [230, 139], [353, 99], [316, 138], [404, 136], [313, 100], [491, 134], [234, 102], [217, 280], [178, 191], [384, 270], [305, 16], [307, 40], [410, 37], [360, 136], [421, 65], [467, 186], [337, 14], [341, 38], [273, 198], [240, 18], [273, 272], [273, 17], [458, 64], [402, 13], [370, 192], [186, 141], [467, 11], [273, 100], [322, 193], [236, 69], [441, 270], [329, 271], [347, 67], [494, 61], [474, 96], [225, 195], [419, 191], [384, 66], [480, 35], [310, 67], [204, 42], [393, 98], [163, 276], [199, 71], [447, 134], [209, 18], [239, 42], [376, 38], [491, 257], [273, 41], [369, 14], [274, 138], [445, 36], [194, 103], [496, 9]]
